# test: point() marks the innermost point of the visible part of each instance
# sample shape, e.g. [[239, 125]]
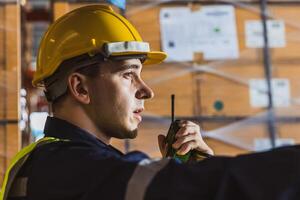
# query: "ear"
[[78, 87]]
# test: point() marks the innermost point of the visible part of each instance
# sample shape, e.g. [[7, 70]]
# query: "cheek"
[[119, 94], [114, 95], [124, 97], [125, 100], [102, 95]]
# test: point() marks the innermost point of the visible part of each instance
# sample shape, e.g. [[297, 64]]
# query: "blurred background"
[[233, 65]]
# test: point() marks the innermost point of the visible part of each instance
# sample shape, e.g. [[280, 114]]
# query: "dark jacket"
[[85, 168]]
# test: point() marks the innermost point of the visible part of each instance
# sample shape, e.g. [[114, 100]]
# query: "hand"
[[188, 138]]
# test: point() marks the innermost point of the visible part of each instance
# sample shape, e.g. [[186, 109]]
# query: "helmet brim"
[[155, 57]]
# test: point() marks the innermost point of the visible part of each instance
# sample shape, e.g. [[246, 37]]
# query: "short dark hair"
[[90, 71], [56, 85]]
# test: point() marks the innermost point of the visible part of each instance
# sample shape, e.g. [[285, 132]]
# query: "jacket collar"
[[62, 129]]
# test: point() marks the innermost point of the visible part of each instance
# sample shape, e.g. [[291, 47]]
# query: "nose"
[[144, 91]]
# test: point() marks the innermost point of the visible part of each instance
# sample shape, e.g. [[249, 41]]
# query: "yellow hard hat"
[[89, 29]]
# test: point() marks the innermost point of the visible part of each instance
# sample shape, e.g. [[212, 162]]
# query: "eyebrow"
[[129, 66], [125, 66]]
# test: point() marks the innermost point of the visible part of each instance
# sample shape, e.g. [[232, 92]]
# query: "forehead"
[[115, 66], [132, 61]]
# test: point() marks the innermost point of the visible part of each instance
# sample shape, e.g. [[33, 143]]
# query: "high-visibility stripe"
[[142, 177], [15, 166]]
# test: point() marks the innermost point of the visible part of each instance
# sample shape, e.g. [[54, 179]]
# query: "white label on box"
[[211, 30], [215, 34], [263, 144], [176, 34], [280, 91], [254, 34]]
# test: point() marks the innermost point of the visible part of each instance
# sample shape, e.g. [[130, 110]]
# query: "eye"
[[128, 74]]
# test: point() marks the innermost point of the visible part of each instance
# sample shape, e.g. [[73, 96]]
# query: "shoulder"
[[79, 151]]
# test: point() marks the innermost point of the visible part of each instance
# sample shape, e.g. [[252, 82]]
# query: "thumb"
[[162, 144]]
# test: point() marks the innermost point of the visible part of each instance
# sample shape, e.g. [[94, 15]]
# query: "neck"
[[77, 116]]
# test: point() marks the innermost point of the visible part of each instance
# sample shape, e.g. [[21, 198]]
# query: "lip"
[[137, 114]]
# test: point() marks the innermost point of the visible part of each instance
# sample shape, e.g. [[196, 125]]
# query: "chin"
[[131, 134], [125, 134]]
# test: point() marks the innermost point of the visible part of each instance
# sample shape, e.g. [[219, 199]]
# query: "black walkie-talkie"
[[191, 156], [170, 139]]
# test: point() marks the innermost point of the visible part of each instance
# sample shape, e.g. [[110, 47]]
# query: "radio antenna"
[[172, 107]]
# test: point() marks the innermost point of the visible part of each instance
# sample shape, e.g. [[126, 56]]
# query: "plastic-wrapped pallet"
[[226, 96]]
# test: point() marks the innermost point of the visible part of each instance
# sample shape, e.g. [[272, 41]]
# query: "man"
[[90, 63]]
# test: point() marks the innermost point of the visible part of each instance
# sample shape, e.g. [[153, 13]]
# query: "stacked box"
[[216, 93], [10, 140]]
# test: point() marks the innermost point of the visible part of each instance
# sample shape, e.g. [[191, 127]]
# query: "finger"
[[183, 123], [197, 141], [190, 124], [184, 139], [162, 144], [187, 130], [203, 147], [186, 147]]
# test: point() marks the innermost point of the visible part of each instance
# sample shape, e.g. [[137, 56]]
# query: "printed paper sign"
[[280, 91], [211, 30], [176, 34], [215, 32], [254, 34]]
